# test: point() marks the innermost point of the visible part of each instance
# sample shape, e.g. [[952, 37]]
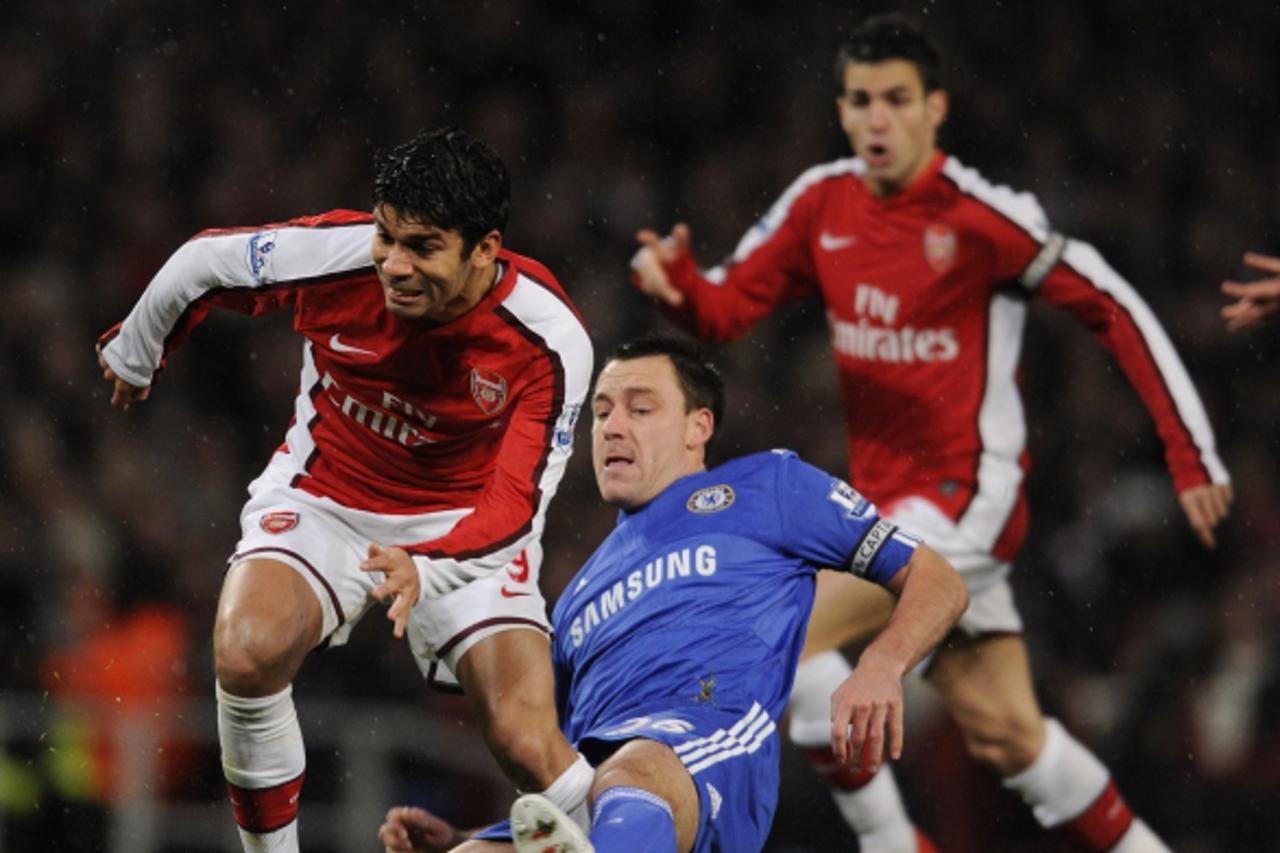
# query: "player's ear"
[[701, 425], [936, 105], [486, 249]]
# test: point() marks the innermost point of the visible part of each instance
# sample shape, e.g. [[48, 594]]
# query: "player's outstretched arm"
[[408, 829], [1257, 302], [1205, 506], [648, 265], [931, 597], [122, 393]]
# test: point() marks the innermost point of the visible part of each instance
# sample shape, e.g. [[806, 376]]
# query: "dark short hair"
[[447, 178], [885, 37], [700, 379]]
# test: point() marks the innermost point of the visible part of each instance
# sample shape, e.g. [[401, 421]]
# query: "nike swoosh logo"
[[512, 593], [337, 345], [580, 585], [832, 243]]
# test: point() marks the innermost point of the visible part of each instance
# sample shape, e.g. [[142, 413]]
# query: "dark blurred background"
[[1144, 127]]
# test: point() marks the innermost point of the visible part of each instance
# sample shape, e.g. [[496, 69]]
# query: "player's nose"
[[396, 263], [877, 115], [611, 426]]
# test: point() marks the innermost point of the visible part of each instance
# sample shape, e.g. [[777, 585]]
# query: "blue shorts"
[[732, 757]]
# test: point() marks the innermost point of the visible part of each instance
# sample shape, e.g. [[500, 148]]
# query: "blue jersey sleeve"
[[825, 521]]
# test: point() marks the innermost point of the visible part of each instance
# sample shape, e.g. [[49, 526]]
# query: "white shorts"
[[991, 608], [325, 542]]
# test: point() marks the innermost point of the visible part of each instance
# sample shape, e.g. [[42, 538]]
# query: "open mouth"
[[617, 462], [877, 154], [400, 296]]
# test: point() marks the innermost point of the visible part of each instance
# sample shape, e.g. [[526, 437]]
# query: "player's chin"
[[407, 309], [612, 489]]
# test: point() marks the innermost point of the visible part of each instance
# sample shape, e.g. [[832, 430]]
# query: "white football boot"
[[539, 826]]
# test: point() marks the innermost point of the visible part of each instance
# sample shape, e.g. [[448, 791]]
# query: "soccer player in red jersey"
[[442, 377], [926, 270]]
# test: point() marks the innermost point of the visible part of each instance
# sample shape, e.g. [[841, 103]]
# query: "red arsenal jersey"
[[926, 295], [393, 416]]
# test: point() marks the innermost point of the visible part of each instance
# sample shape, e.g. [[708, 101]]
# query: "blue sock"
[[633, 819]]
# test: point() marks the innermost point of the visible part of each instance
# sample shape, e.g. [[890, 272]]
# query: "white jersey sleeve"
[[258, 264]]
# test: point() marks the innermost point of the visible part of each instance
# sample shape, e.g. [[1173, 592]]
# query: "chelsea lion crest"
[[711, 499]]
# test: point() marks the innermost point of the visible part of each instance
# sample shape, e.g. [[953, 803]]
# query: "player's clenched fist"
[[122, 394]]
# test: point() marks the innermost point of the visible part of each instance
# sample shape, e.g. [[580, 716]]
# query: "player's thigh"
[[846, 609], [987, 685], [508, 676], [654, 767], [321, 542], [268, 618]]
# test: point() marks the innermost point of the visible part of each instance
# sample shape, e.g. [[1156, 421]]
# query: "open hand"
[[648, 265], [864, 705], [400, 584], [408, 829], [1205, 506], [1256, 301]]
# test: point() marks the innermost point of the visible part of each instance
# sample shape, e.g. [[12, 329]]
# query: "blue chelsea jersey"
[[703, 595]]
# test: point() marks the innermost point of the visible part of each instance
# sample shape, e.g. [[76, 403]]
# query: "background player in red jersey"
[[926, 270], [442, 377], [1257, 302]]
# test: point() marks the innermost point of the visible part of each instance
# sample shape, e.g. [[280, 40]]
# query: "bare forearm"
[[931, 597]]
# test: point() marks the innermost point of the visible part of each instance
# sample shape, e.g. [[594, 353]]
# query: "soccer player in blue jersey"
[[677, 643]]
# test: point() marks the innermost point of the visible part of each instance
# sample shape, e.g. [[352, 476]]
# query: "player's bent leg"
[[987, 685], [268, 619], [645, 800], [509, 685]]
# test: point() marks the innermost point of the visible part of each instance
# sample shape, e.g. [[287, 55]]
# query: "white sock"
[[569, 792], [810, 707], [1139, 839], [264, 762], [873, 811], [1067, 787], [876, 814], [283, 840], [1063, 781]]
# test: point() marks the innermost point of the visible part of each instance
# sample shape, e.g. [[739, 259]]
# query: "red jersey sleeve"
[[1073, 276], [1083, 284], [771, 265]]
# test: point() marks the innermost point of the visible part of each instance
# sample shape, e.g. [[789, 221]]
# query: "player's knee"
[[251, 658], [1006, 741], [614, 775]]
